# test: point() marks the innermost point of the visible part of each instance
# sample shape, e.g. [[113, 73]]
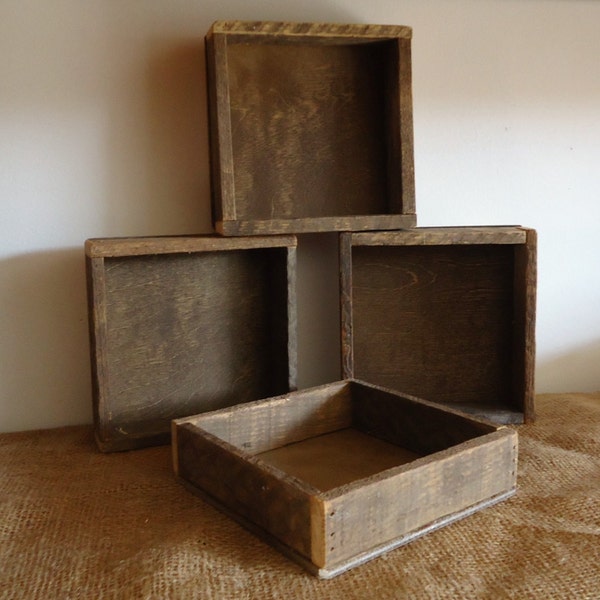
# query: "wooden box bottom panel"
[[336, 475]]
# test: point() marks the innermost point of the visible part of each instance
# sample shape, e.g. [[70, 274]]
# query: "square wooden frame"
[[446, 313], [181, 325], [310, 127]]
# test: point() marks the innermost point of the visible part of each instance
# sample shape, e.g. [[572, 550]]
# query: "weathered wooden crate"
[[447, 314], [310, 126], [336, 475], [180, 325]]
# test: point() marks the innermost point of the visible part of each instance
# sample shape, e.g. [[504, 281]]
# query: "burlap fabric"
[[75, 523]]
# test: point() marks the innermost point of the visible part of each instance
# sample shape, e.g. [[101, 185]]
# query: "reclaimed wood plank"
[[314, 224], [267, 424], [524, 327], [140, 246], [393, 504], [273, 501]]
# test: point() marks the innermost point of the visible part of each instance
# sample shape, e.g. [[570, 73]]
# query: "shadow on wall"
[[44, 359], [574, 371]]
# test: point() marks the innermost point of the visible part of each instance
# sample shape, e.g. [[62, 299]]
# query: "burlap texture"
[[75, 523]]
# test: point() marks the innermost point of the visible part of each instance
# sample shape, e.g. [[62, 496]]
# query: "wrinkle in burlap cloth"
[[75, 523]]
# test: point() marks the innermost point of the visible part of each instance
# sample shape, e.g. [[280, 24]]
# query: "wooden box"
[[310, 127], [180, 325], [336, 475], [447, 314]]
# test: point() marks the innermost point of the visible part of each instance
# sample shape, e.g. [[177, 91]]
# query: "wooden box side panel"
[[432, 321], [401, 170], [283, 319], [315, 224], [187, 333], [265, 425], [524, 327], [325, 33], [240, 484], [443, 236], [219, 119], [96, 301], [418, 426], [181, 244], [366, 516]]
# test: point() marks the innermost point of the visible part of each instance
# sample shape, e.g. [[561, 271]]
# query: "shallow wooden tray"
[[336, 475], [447, 314], [181, 325], [310, 127]]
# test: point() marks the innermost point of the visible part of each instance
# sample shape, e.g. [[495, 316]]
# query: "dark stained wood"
[[323, 32], [270, 499], [346, 285], [184, 325], [524, 327], [311, 127], [418, 495], [443, 236], [446, 314], [326, 476], [315, 224], [417, 425], [140, 246]]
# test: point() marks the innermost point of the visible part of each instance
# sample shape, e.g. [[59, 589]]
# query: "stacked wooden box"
[[311, 131]]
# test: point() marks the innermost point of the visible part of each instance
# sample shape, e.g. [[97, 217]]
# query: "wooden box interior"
[[310, 126], [298, 469], [449, 317], [180, 332]]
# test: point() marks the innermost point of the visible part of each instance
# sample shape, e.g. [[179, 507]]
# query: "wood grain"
[[141, 246], [525, 319], [325, 31], [182, 332], [274, 422], [273, 501], [419, 426], [314, 224], [412, 496], [309, 122], [330, 475], [445, 314]]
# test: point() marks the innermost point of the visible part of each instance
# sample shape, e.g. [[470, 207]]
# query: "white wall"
[[103, 133]]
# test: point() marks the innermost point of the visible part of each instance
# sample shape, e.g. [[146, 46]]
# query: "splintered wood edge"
[[434, 236], [282, 28], [139, 246]]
